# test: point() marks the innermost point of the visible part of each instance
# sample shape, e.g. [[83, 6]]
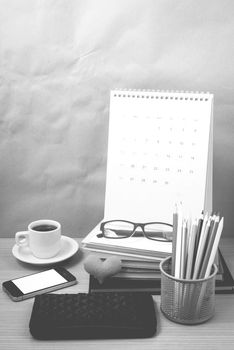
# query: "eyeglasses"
[[117, 229]]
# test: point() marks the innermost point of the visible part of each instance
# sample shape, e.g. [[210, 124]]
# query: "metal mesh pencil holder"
[[187, 301]]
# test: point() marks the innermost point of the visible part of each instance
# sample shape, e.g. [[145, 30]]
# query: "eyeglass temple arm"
[[100, 235]]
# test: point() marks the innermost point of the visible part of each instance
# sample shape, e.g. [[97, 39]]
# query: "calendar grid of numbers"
[[159, 154]]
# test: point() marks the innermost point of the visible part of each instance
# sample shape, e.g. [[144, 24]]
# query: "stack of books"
[[133, 268], [140, 257], [224, 282], [140, 260]]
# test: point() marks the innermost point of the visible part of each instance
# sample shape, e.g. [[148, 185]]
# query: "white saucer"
[[68, 249]]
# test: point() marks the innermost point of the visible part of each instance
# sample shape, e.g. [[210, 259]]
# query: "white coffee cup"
[[43, 238]]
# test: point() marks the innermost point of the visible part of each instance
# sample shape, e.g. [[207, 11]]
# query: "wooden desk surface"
[[218, 333]]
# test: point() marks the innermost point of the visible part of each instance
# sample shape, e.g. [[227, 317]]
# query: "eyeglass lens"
[[118, 229]]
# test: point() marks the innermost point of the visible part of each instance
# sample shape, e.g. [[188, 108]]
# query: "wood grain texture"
[[218, 333]]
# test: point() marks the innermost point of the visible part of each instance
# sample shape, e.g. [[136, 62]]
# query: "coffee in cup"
[[43, 238]]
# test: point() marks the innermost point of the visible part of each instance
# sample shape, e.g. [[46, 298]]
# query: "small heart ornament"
[[102, 269]]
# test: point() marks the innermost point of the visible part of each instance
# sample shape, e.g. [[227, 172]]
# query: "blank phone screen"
[[39, 281]]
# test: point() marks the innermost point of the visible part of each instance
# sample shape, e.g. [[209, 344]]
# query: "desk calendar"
[[160, 152]]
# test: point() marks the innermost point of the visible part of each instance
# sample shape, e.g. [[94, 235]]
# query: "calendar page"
[[159, 154]]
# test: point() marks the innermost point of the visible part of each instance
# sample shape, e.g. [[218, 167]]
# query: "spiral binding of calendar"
[[163, 94]]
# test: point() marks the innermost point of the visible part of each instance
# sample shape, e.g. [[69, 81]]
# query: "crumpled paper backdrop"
[[58, 62]]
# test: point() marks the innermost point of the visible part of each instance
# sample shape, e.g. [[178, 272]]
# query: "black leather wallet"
[[93, 316]]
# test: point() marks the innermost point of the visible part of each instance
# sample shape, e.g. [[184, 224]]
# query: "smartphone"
[[38, 283]]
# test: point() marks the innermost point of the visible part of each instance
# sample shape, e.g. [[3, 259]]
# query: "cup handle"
[[22, 238]]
